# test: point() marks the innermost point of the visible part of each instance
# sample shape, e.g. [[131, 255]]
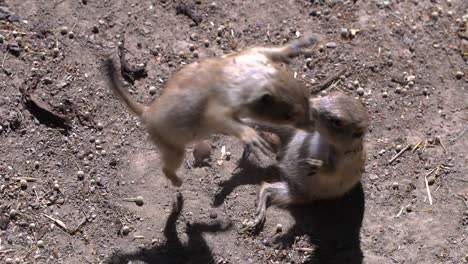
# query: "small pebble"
[[398, 148], [206, 43], [218, 40], [344, 32], [152, 90], [384, 94], [356, 83], [2, 38], [23, 184], [55, 51], [63, 30], [14, 33], [213, 215], [56, 187], [181, 54], [125, 230], [8, 261], [331, 45], [191, 47], [193, 36], [80, 174], [409, 208], [139, 200], [435, 15], [32, 225], [395, 185], [13, 213], [40, 244], [71, 35], [195, 54], [459, 74], [360, 91], [279, 228]]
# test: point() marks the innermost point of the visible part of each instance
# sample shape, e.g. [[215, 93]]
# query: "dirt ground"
[[70, 151]]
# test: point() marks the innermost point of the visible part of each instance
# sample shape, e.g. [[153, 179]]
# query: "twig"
[[58, 222], [399, 154], [427, 184], [327, 82], [7, 72], [28, 179], [305, 249]]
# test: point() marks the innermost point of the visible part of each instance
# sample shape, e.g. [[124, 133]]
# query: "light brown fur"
[[212, 95], [322, 164]]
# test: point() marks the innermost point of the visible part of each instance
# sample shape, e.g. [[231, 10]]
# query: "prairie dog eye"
[[335, 122]]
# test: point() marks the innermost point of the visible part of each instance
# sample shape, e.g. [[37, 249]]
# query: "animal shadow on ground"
[[173, 251], [333, 226], [249, 173]]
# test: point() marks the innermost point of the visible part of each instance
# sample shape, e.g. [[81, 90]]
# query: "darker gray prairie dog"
[[322, 164], [212, 95]]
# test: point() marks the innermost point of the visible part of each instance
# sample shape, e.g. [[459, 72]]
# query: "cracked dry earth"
[[71, 153]]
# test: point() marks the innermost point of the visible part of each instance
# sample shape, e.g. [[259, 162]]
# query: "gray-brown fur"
[[212, 95], [322, 164]]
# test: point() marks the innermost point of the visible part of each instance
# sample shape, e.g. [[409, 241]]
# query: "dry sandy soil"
[[407, 58]]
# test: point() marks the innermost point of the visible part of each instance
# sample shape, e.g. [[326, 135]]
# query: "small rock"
[[409, 208], [344, 32], [152, 90], [435, 15], [40, 244], [459, 74], [23, 184], [384, 94], [80, 174], [13, 213], [360, 91], [2, 38], [191, 47], [395, 185], [206, 43], [373, 177], [331, 45], [8, 261], [213, 215], [125, 230], [56, 187], [139, 200], [95, 29], [63, 30], [398, 148]]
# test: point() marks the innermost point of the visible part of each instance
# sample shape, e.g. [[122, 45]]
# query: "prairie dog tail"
[[288, 51], [117, 87]]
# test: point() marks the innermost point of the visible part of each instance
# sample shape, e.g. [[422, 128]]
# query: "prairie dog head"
[[284, 102], [340, 119]]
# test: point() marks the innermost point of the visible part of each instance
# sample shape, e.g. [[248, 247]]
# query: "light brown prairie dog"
[[212, 95], [322, 164]]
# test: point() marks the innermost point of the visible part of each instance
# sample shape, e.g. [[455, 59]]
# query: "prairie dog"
[[212, 95], [322, 164]]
